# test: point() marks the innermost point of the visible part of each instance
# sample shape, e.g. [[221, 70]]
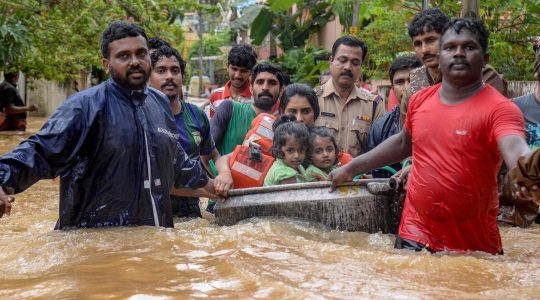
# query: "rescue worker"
[[240, 61], [425, 32], [347, 109], [233, 119], [514, 210], [168, 69], [392, 122], [458, 133], [114, 146]]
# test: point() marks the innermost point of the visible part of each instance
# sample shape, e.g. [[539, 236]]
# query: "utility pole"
[[470, 9], [353, 30], [201, 52], [425, 4]]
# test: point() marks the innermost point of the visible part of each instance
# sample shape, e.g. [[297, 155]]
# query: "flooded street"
[[261, 259]]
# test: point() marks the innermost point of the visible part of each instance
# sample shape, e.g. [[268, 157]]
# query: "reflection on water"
[[256, 259]]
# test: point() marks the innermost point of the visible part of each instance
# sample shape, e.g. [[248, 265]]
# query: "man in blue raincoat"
[[114, 146]]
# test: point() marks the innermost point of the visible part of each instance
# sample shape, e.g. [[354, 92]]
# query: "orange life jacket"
[[344, 158], [261, 132], [249, 166]]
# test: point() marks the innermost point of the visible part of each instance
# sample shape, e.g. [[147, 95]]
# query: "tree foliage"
[[57, 39], [305, 65], [211, 44], [63, 35], [292, 29], [14, 40], [383, 26]]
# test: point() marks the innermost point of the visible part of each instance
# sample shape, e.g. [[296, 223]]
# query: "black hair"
[[352, 42], [156, 43], [119, 30], [266, 67], [286, 79], [323, 132], [477, 28], [431, 19], [403, 62], [303, 90], [9, 76], [165, 51], [242, 55], [287, 126]]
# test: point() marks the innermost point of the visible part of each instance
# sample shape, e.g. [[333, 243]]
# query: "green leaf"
[[282, 5], [248, 15], [261, 26]]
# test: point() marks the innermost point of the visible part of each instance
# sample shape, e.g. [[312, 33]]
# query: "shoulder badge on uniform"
[[318, 90]]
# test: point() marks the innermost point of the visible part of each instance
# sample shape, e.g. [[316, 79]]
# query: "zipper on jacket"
[[148, 184]]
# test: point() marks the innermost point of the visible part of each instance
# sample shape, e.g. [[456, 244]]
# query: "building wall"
[[520, 88], [329, 34], [48, 95]]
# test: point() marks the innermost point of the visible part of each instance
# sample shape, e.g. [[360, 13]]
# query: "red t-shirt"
[[224, 93], [452, 201], [392, 100]]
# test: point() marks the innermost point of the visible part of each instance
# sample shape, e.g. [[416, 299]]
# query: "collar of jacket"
[[135, 96]]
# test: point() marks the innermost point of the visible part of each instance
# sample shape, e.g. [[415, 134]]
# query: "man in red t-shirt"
[[458, 132], [242, 58]]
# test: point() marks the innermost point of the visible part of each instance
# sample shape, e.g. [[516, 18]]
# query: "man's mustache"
[[267, 94], [459, 62], [136, 70], [428, 56], [347, 73], [169, 83]]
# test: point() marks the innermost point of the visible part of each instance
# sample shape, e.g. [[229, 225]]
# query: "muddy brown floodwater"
[[257, 259]]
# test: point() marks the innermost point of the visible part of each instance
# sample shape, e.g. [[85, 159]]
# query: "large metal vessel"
[[370, 205]]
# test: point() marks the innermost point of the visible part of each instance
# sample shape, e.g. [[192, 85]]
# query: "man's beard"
[[264, 104], [126, 82]]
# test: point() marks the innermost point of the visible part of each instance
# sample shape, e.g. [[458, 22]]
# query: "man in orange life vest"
[[241, 60], [233, 119]]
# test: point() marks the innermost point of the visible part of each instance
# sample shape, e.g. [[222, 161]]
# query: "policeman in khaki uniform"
[[347, 109]]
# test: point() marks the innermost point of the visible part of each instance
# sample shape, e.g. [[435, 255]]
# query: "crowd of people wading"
[[134, 151]]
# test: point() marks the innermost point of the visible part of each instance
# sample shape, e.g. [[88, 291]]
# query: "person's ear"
[[331, 58], [106, 63], [486, 58]]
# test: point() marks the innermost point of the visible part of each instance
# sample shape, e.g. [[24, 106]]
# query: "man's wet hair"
[[431, 19], [155, 43], [284, 127], [242, 55], [266, 67], [9, 76], [302, 90], [477, 28], [119, 30], [403, 62], [165, 51], [350, 41]]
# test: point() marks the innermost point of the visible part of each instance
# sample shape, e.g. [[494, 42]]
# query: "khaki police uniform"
[[350, 120]]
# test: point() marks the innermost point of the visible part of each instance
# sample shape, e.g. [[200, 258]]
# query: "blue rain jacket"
[[96, 142]]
